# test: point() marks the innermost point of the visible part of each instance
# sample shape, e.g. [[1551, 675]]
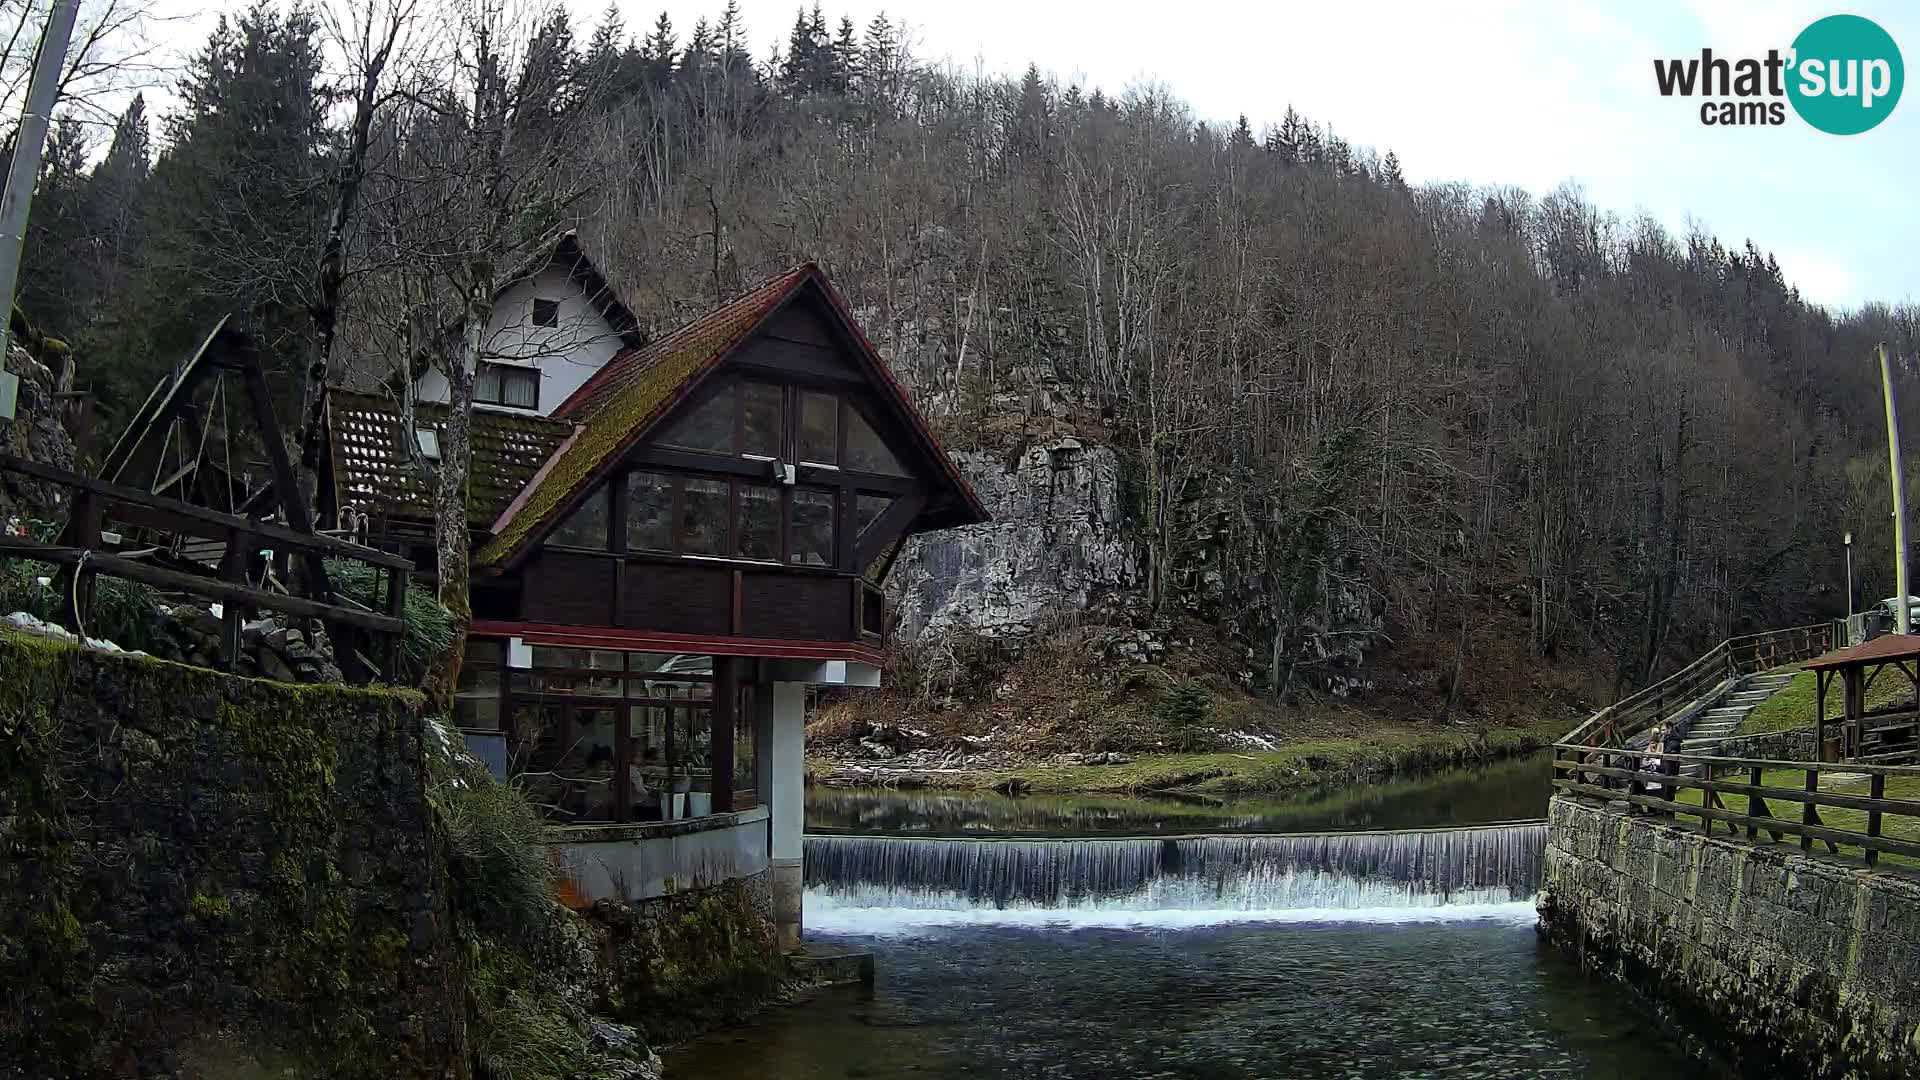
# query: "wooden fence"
[[83, 553], [1845, 806]]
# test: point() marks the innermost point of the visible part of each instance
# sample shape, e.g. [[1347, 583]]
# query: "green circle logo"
[[1847, 74]]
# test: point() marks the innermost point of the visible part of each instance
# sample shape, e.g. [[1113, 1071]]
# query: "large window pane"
[[486, 384], [867, 510], [546, 656], [703, 517], [690, 754], [708, 428], [476, 704], [649, 512], [819, 428], [587, 767], [865, 450], [647, 762], [813, 527], [759, 529], [536, 752], [585, 527], [761, 419]]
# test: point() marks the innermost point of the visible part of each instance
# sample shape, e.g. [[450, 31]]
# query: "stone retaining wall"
[[205, 875], [1801, 965], [1792, 745]]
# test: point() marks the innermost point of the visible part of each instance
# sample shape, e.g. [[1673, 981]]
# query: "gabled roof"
[[616, 407], [1885, 649], [373, 470], [566, 251]]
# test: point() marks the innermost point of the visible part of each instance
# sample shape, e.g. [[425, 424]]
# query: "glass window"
[[546, 656], [646, 761], [586, 769], [587, 526], [813, 527], [819, 428], [520, 388], [876, 571], [867, 510], [703, 517], [675, 663], [536, 751], [761, 408], [649, 512], [759, 528], [506, 384], [546, 312], [865, 450], [690, 758], [476, 704], [708, 428]]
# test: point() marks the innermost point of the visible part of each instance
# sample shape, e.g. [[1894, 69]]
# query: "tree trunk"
[[450, 531]]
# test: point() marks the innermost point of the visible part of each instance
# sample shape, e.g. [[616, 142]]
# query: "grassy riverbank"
[[1315, 763]]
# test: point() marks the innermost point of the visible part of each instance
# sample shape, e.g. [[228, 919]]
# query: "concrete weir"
[[1803, 965]]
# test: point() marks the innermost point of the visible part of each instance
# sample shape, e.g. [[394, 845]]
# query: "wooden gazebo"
[[1886, 735]]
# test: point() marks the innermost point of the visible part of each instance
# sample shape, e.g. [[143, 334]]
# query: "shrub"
[[429, 626], [124, 612], [1183, 711], [501, 871]]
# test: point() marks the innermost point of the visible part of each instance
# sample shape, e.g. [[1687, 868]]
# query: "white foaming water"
[[892, 885], [829, 914]]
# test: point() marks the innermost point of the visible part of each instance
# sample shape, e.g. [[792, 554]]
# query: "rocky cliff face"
[[34, 433], [1057, 543]]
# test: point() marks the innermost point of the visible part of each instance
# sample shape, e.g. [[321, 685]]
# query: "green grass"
[[1833, 817], [1305, 764], [1792, 706]]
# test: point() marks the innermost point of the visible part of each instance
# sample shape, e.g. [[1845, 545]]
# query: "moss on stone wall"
[[690, 962], [197, 866]]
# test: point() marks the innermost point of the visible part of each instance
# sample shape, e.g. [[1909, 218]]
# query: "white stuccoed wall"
[[567, 354]]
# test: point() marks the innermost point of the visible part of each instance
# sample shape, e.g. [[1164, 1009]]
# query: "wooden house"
[[662, 561]]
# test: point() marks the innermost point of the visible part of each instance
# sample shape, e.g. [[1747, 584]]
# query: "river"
[[1191, 946]]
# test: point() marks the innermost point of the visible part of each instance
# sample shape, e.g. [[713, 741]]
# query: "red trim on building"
[[608, 637]]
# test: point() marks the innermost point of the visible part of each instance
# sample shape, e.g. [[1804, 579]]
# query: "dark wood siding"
[[773, 354], [798, 606], [688, 598], [800, 322], [570, 589]]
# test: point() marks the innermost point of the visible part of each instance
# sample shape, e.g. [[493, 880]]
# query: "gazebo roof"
[[1885, 649]]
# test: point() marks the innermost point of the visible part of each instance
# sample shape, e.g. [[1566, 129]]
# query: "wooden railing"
[[1890, 825], [1676, 696], [83, 553], [1782, 798]]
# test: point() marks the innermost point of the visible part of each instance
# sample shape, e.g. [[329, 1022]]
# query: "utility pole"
[[28, 143], [1899, 494]]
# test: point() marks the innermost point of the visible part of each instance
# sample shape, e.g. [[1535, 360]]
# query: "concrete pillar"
[[786, 804]]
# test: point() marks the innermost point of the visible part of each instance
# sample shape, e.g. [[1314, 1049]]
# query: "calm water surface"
[[1475, 998], [1423, 987]]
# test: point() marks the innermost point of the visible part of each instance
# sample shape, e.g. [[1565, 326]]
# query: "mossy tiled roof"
[[626, 396], [373, 470]]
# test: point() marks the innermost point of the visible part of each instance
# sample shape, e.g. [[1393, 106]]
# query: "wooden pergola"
[[1886, 735]]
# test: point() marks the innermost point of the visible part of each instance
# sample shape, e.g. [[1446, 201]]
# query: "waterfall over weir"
[[1487, 870]]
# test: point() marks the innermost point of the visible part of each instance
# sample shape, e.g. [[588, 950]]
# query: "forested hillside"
[[1511, 428]]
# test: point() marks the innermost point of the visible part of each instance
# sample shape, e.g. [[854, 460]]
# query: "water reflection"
[[1506, 791], [1471, 999]]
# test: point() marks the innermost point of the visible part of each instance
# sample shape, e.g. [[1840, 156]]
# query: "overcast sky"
[[1491, 92]]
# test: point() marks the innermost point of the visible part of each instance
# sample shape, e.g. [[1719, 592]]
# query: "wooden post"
[[1707, 799], [76, 585], [1754, 806], [1820, 714], [1876, 789], [725, 717], [1808, 815], [233, 570], [390, 643]]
